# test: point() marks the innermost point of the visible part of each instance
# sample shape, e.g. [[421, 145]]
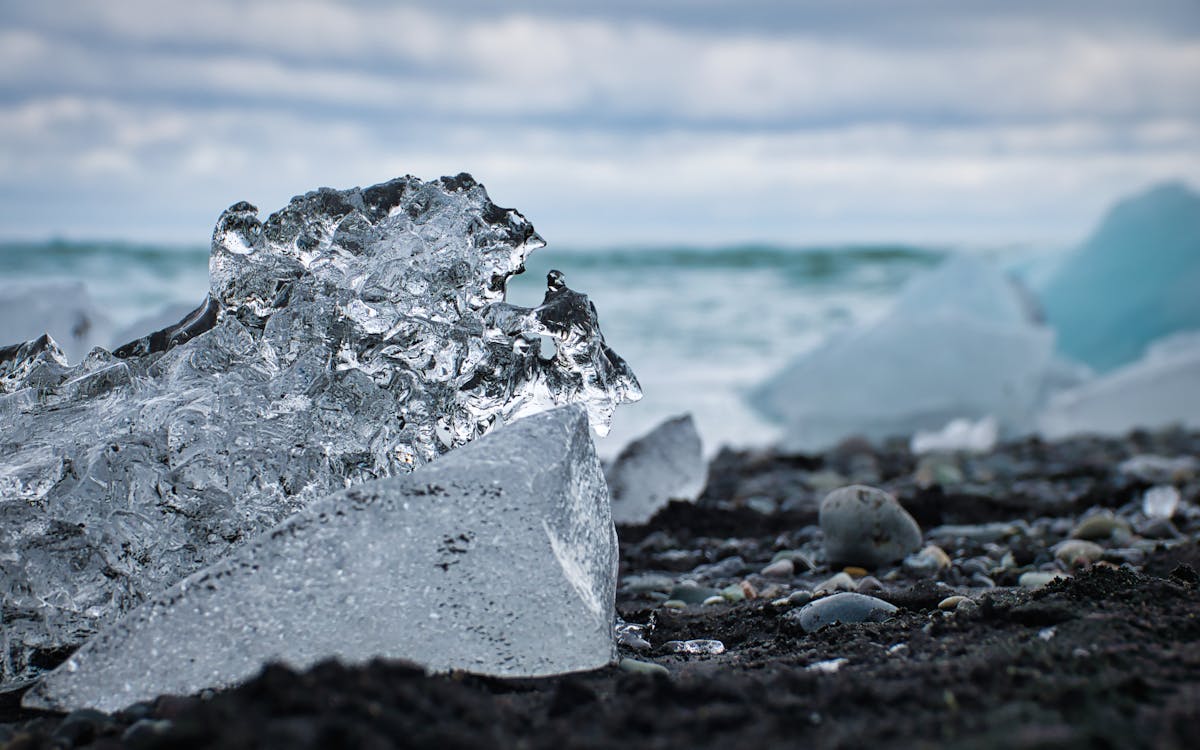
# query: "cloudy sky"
[[627, 121]]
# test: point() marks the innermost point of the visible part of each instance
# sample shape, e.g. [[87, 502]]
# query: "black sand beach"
[[1105, 658]]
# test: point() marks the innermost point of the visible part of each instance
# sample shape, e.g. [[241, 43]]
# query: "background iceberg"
[[960, 342], [352, 335], [1135, 280]]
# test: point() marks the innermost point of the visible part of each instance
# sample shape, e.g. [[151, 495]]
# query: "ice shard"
[[353, 335], [500, 558], [663, 465]]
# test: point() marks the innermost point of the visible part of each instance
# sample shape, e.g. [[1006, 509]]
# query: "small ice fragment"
[[1046, 633], [1160, 502], [703, 646], [666, 464], [463, 564], [829, 666], [958, 435]]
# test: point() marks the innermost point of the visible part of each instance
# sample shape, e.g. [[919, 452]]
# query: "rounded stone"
[[784, 568], [841, 608], [866, 527]]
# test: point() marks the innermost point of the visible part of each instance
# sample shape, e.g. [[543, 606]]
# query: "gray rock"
[[841, 608], [664, 465], [866, 526], [499, 558]]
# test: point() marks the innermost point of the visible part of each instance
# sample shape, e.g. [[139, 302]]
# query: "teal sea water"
[[699, 326]]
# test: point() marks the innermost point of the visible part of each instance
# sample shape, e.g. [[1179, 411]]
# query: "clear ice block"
[[353, 335]]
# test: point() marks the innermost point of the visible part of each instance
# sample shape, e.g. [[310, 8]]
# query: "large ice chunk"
[[351, 336], [1162, 388], [1135, 280], [959, 344], [61, 309], [665, 464], [500, 558]]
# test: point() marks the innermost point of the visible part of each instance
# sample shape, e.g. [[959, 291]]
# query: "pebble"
[[800, 596], [145, 732], [713, 600], [869, 585], [1160, 502], [837, 582], [854, 571], [981, 532], [841, 608], [675, 604], [866, 527], [966, 607], [642, 667], [690, 592], [951, 603], [1158, 528], [784, 568], [733, 593], [1078, 553], [928, 561], [1099, 526], [639, 584], [1035, 579], [799, 559], [711, 647]]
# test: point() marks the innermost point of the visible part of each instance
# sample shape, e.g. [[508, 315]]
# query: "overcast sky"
[[605, 123]]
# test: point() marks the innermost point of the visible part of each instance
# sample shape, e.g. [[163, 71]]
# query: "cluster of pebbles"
[[836, 534]]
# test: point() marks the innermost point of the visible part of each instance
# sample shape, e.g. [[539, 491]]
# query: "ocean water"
[[699, 326]]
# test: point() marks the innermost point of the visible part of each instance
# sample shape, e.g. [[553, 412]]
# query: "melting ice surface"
[[353, 335]]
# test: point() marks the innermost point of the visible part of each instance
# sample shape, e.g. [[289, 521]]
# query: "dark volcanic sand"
[[1109, 658]]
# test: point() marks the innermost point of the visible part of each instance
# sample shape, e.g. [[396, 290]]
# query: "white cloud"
[[601, 128]]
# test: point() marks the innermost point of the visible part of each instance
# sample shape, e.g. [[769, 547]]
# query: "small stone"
[[951, 603], [929, 561], [837, 582], [841, 608], [1099, 526], [866, 527], [966, 607], [145, 733], [780, 569], [748, 590], [1078, 553], [854, 571], [1035, 579], [1160, 502], [645, 583], [710, 647], [675, 604], [982, 532], [637, 666], [1158, 528], [799, 559], [690, 592], [800, 596], [870, 585], [780, 602], [713, 600], [733, 593]]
